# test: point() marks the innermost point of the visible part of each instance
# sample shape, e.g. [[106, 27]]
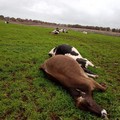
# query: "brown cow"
[[68, 72]]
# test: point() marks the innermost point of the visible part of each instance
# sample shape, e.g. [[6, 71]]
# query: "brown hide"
[[68, 72], [65, 70]]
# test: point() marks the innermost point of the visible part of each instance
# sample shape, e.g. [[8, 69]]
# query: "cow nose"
[[104, 114], [50, 55]]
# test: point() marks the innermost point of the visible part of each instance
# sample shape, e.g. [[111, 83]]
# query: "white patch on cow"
[[61, 30], [72, 56], [52, 52], [81, 91], [91, 75], [84, 32], [80, 99], [75, 50], [103, 113], [55, 32], [88, 63]]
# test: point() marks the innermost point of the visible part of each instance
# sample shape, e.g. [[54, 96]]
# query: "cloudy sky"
[[105, 13]]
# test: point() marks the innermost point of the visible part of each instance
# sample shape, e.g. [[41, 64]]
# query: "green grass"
[[26, 93]]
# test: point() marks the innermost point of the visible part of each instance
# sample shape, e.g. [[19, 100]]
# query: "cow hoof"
[[104, 85], [96, 76]]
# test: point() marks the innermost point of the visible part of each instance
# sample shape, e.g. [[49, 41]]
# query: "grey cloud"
[[95, 12]]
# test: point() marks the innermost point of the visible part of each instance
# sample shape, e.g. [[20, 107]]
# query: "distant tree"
[[13, 19], [18, 19], [35, 21], [26, 20], [108, 28], [2, 17], [116, 30], [97, 28], [7, 18], [30, 20], [113, 30]]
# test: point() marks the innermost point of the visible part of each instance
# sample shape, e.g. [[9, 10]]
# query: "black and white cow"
[[63, 30], [72, 52], [84, 32], [56, 31], [6, 22]]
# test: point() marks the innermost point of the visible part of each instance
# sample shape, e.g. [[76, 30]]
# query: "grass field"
[[26, 93]]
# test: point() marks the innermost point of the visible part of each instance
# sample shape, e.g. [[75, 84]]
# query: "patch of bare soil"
[[97, 31], [68, 28]]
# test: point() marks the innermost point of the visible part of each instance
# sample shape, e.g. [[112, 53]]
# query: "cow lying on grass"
[[57, 31], [63, 30], [73, 53], [84, 32], [67, 71]]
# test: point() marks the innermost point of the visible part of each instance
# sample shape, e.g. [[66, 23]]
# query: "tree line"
[[30, 21]]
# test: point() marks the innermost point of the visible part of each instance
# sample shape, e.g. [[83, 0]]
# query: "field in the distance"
[[26, 93]]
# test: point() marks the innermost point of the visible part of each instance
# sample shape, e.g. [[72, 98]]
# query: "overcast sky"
[[105, 13]]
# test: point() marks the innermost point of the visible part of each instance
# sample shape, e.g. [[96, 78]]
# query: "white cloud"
[[44, 8], [86, 12]]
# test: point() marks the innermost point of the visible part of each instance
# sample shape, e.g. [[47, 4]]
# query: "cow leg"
[[74, 92], [101, 87], [90, 73], [88, 63]]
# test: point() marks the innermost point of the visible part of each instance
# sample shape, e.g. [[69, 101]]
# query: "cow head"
[[52, 52], [87, 103]]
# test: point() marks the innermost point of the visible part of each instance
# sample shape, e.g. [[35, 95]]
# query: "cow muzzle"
[[104, 114]]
